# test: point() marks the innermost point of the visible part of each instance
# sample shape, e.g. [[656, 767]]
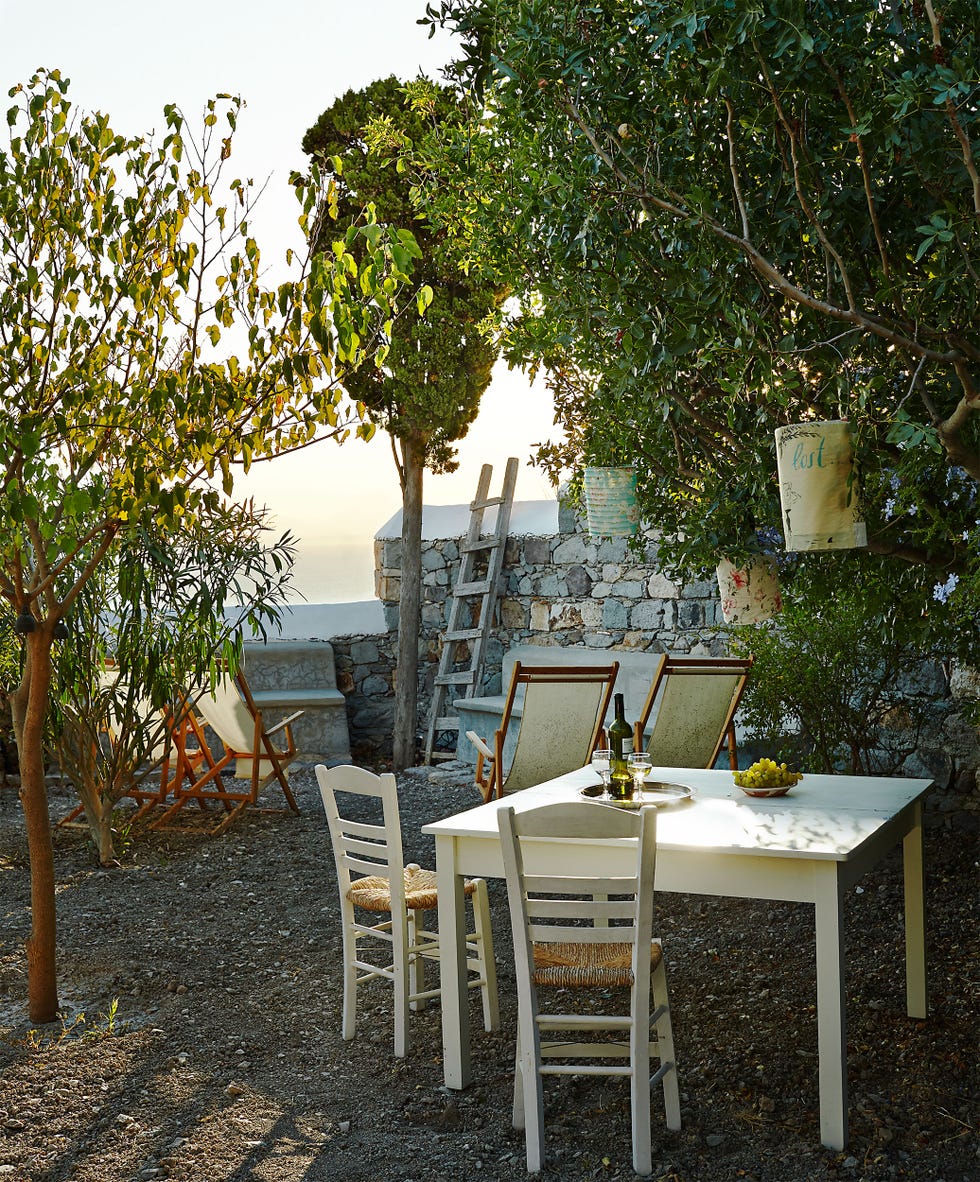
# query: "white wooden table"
[[810, 847]]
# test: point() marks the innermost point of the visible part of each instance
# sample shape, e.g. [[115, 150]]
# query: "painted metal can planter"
[[750, 592], [818, 487], [610, 502]]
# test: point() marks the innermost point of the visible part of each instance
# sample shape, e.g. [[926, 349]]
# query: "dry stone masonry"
[[568, 588]]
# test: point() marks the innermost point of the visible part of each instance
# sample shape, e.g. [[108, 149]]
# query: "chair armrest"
[[480, 745], [285, 722]]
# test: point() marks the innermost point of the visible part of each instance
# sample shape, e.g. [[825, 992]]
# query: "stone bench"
[[289, 675], [483, 714]]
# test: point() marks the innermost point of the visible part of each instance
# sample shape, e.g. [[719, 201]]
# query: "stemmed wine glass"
[[639, 765], [601, 759]]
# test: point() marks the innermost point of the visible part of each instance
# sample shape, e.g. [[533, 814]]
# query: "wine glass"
[[601, 759], [639, 764]]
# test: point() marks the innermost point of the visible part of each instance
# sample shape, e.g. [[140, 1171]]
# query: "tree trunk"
[[409, 604], [29, 704]]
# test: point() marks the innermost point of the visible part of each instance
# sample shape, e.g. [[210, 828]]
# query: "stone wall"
[[571, 589], [365, 676]]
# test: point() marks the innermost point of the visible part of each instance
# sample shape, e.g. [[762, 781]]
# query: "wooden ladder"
[[471, 610]]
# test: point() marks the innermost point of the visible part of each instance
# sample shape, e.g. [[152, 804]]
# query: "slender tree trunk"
[[409, 604], [29, 706]]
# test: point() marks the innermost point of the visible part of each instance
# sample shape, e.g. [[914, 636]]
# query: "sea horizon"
[[333, 572]]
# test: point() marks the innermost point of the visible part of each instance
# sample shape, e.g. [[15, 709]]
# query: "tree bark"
[[29, 705], [409, 604]]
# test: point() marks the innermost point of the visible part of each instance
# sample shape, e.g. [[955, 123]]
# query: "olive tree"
[[732, 217], [141, 356], [168, 601]]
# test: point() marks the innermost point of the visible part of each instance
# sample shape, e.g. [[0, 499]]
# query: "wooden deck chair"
[[256, 754], [563, 712], [695, 699], [168, 761]]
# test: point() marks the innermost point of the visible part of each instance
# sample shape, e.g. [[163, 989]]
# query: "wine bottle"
[[621, 745]]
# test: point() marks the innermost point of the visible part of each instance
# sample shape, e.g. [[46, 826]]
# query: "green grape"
[[766, 773]]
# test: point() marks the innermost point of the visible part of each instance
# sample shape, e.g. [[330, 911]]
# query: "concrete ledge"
[[298, 697], [289, 675]]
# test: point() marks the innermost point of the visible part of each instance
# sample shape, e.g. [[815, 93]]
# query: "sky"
[[288, 61]]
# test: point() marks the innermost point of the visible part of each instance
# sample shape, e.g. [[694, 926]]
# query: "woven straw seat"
[[587, 966], [370, 845], [577, 930], [373, 892]]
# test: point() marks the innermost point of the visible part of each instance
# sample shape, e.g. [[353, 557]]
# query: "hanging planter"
[[749, 592], [610, 502], [818, 487]]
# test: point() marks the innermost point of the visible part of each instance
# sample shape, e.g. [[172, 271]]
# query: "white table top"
[[822, 817]]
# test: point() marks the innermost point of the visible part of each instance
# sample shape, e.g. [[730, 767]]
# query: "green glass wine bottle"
[[621, 745]]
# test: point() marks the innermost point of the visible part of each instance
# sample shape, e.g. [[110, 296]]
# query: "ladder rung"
[[466, 677], [447, 724], [487, 504], [480, 588], [463, 634], [479, 544]]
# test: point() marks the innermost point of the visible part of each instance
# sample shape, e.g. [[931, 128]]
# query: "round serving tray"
[[657, 793]]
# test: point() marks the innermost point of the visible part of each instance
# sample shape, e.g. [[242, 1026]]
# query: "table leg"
[[916, 997], [452, 967], [831, 1008]]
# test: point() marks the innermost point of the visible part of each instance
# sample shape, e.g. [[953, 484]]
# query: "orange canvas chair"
[[258, 755], [168, 763]]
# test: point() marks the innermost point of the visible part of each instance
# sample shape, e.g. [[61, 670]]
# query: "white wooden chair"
[[372, 877], [563, 712], [552, 906], [695, 700]]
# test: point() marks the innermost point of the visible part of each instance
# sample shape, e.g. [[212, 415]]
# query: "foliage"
[[720, 218], [829, 690], [428, 390], [441, 352], [150, 625], [124, 265]]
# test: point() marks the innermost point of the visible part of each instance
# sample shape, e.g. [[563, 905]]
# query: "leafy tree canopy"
[[127, 269], [722, 218], [443, 349]]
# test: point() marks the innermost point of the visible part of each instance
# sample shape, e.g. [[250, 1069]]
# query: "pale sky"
[[288, 61]]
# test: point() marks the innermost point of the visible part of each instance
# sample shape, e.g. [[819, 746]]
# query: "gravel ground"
[[200, 1040]]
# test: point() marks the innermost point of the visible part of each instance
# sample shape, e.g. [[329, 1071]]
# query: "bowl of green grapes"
[[766, 778]]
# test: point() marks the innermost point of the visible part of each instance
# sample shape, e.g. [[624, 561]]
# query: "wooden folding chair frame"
[[209, 785], [671, 666], [175, 766], [491, 783]]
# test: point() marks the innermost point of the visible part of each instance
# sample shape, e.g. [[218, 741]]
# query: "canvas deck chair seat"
[[563, 713], [693, 701], [251, 752]]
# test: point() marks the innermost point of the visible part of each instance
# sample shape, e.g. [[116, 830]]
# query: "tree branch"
[[958, 130]]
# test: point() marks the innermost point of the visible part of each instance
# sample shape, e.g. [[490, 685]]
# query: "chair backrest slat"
[[353, 854], [530, 836]]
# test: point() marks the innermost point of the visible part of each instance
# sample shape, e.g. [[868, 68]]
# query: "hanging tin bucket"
[[818, 487], [749, 592], [610, 502]]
